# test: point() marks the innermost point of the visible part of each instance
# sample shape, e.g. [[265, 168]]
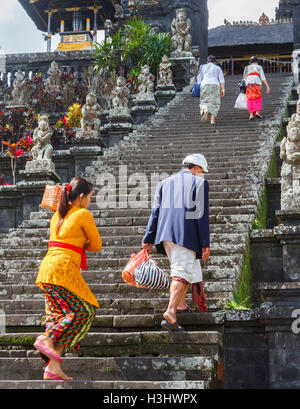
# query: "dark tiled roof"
[[259, 34]]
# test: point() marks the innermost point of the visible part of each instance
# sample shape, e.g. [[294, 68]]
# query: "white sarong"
[[183, 262]]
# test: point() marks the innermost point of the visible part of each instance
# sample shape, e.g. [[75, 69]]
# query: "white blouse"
[[254, 79], [210, 74]]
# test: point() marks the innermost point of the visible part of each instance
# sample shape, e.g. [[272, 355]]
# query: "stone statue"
[[20, 91], [42, 148], [290, 171], [53, 84], [119, 11], [165, 76], [120, 101], [146, 80], [181, 39], [108, 28], [90, 122]]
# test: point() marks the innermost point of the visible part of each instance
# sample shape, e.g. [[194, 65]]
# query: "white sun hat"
[[196, 159]]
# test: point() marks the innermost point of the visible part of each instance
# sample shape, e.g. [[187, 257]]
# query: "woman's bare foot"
[[53, 370]]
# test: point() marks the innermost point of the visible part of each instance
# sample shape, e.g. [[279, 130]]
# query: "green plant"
[[261, 219], [233, 305], [273, 168], [133, 46], [241, 296]]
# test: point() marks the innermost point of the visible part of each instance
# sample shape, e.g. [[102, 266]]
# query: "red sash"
[[254, 73], [70, 247]]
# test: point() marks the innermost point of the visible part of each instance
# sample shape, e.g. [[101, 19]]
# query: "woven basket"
[[51, 197]]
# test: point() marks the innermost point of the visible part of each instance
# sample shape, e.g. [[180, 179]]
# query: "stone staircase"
[[126, 347]]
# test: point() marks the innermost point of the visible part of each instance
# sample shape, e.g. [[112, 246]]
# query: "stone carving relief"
[[290, 171], [90, 122], [120, 100], [165, 76], [42, 148], [181, 38], [53, 83]]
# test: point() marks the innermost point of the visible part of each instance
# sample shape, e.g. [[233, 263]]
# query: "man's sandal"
[[171, 327]]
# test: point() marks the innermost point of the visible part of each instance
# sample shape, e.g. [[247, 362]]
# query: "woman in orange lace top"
[[70, 304]]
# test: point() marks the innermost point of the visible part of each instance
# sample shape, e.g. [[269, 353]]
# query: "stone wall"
[[17, 202]]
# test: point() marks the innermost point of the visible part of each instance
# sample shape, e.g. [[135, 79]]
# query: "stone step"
[[28, 264], [143, 385], [116, 323], [222, 152], [105, 290], [132, 369], [128, 240], [43, 232], [110, 250], [240, 206], [212, 273], [248, 217], [110, 306], [104, 344]]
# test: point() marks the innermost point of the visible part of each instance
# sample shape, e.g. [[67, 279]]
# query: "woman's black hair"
[[211, 58], [78, 186], [253, 59]]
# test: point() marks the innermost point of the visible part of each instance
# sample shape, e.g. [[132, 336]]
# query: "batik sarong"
[[210, 98], [254, 98], [68, 317]]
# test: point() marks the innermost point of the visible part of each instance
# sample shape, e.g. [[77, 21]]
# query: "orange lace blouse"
[[62, 266]]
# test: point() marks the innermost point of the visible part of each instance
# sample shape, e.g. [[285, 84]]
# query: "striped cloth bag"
[[149, 275]]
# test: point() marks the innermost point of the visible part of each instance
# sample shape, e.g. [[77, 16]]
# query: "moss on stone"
[[241, 293], [273, 168], [16, 341], [261, 219]]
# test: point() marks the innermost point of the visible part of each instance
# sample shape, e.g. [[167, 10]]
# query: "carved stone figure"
[[20, 91], [53, 84], [181, 39], [90, 122], [290, 171], [146, 86], [42, 148], [119, 11], [165, 76], [108, 27], [120, 101]]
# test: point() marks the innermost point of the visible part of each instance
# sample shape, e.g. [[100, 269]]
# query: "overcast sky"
[[18, 34]]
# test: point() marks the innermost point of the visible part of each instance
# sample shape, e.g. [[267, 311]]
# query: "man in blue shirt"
[[179, 228]]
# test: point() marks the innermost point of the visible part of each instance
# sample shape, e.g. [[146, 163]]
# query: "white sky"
[[18, 34]]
